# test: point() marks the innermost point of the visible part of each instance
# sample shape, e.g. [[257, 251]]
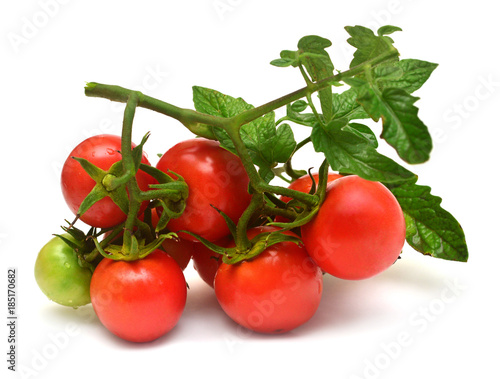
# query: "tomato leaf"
[[345, 105], [367, 44], [318, 64], [362, 131], [388, 29], [430, 229], [267, 144], [402, 128], [306, 119], [349, 153], [407, 74]]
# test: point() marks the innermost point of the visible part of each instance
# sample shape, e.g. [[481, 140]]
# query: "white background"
[[445, 312]]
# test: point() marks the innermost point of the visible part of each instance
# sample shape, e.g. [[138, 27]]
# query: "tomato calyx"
[[257, 245], [304, 213], [82, 245], [170, 194]]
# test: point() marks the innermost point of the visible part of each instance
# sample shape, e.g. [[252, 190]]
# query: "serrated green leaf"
[[318, 64], [367, 44], [430, 229], [402, 128], [267, 144], [362, 131], [351, 154], [407, 74], [306, 119], [215, 103], [346, 106]]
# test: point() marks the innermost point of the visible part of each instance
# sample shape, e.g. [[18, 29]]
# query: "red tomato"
[[304, 184], [102, 151], [181, 250], [214, 177], [359, 230], [206, 262], [275, 292], [141, 300]]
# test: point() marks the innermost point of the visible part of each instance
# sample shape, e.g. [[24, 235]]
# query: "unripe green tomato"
[[59, 275]]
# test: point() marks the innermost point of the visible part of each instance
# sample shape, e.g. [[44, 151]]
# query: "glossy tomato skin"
[[206, 262], [275, 292], [359, 230], [179, 249], [214, 177], [102, 151], [59, 275], [139, 301]]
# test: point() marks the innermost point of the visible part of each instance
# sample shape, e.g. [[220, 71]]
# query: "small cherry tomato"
[[277, 291], [60, 276], [102, 151], [216, 178], [206, 262], [359, 230], [141, 300]]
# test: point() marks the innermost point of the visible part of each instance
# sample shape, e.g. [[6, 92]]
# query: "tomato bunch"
[[358, 232], [218, 200]]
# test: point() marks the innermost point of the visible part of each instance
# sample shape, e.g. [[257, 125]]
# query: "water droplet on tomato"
[[110, 151], [67, 265]]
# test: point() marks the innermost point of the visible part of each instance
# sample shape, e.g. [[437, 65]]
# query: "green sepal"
[[118, 195], [164, 217], [230, 223], [138, 250], [258, 244], [137, 152]]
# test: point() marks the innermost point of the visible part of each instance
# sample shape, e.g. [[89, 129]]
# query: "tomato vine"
[[379, 88]]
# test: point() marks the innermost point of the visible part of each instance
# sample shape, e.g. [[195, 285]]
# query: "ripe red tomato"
[[359, 230], [102, 151], [179, 249], [214, 177], [141, 300], [304, 184], [206, 262], [275, 292]]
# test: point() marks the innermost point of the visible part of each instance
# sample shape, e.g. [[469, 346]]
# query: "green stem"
[[256, 204], [199, 123], [134, 191]]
